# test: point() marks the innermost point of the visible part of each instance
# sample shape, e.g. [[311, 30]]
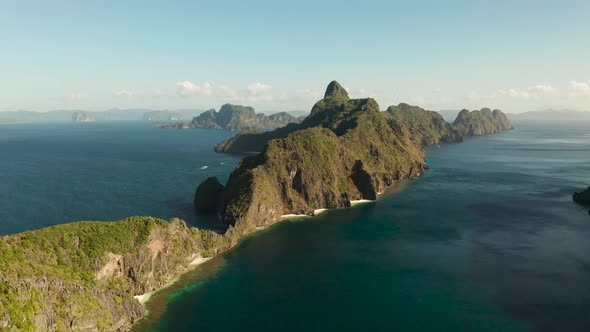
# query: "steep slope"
[[344, 150], [236, 117], [483, 122], [82, 276], [427, 127]]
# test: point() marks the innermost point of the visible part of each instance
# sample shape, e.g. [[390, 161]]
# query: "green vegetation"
[[426, 127], [237, 117], [344, 150], [86, 272]]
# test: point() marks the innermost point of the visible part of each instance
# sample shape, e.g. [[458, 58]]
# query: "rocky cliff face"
[[237, 117], [83, 276], [427, 127], [344, 150], [482, 122]]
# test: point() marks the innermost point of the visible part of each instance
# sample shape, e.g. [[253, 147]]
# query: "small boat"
[[204, 167]]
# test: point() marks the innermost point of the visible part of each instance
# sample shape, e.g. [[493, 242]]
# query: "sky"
[[515, 55]]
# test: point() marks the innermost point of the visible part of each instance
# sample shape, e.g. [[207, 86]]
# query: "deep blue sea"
[[63, 172], [488, 239]]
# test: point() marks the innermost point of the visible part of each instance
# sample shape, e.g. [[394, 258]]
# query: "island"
[[92, 276], [482, 122], [345, 150], [236, 117]]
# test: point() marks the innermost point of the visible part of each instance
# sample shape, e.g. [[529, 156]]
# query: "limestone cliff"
[[482, 122], [236, 117], [83, 276], [427, 127]]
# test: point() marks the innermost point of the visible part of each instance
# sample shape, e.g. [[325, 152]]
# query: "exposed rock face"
[[236, 117], [335, 90], [427, 127], [582, 197], [483, 122], [207, 119], [208, 196], [344, 150], [83, 276]]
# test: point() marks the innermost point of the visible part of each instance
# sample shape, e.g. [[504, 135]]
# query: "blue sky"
[[515, 55]]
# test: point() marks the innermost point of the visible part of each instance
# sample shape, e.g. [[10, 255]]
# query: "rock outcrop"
[[235, 118], [427, 127], [83, 276], [208, 196], [483, 122], [583, 197]]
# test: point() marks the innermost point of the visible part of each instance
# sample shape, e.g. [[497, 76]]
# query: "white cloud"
[[189, 89], [529, 93], [123, 93], [580, 88], [227, 92], [540, 88], [259, 89], [512, 93], [74, 97]]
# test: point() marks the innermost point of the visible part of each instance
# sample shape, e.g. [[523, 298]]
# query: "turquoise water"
[[56, 173], [486, 240]]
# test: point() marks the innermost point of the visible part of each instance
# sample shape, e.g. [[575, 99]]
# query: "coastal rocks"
[[208, 196], [583, 197], [363, 181], [482, 122]]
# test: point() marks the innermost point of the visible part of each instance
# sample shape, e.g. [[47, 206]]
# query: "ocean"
[[488, 239]]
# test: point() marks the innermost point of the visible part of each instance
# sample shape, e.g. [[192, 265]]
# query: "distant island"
[[552, 115], [114, 114], [236, 117], [93, 276]]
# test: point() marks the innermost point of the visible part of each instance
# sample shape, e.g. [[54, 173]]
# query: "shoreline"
[[144, 298], [322, 210]]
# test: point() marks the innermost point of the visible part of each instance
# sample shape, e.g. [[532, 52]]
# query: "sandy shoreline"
[[143, 298]]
